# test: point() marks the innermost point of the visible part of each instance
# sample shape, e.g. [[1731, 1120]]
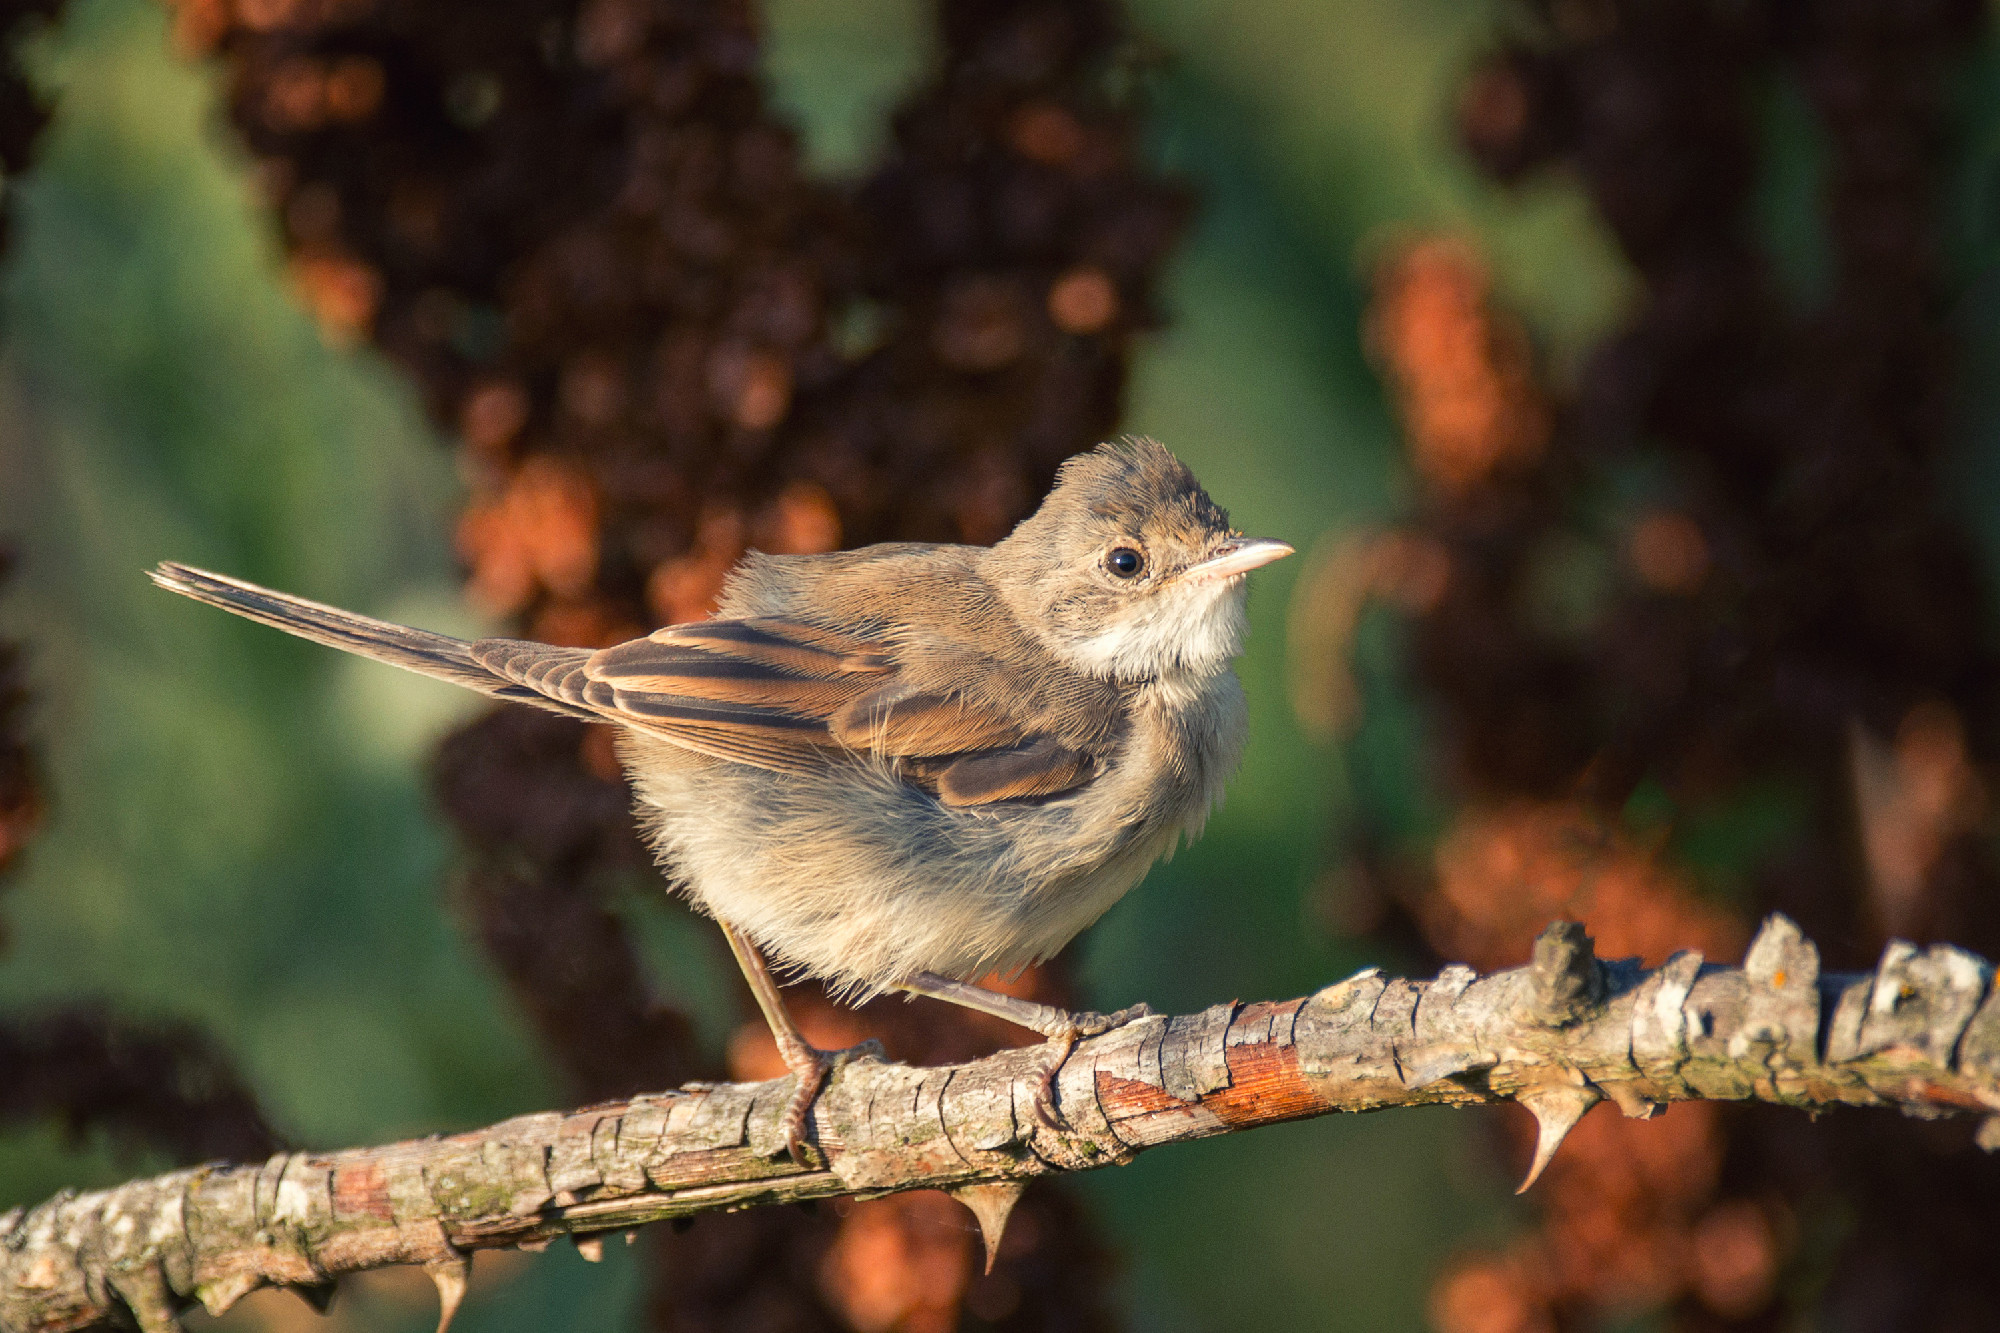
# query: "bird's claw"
[[812, 1067], [1081, 1024], [1088, 1024]]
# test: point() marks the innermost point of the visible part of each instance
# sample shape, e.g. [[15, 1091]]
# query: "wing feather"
[[803, 650], [741, 747], [776, 694], [922, 725], [791, 698], [1041, 768]]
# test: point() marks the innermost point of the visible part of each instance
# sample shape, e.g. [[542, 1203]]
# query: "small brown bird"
[[907, 766]]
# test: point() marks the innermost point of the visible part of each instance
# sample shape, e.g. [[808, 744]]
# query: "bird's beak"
[[1238, 555]]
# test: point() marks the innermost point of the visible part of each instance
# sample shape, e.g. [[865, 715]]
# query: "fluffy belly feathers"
[[862, 880]]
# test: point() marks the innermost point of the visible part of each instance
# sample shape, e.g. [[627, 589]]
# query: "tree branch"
[[1921, 1032]]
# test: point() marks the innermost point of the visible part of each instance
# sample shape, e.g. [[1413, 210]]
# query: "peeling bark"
[[1921, 1032]]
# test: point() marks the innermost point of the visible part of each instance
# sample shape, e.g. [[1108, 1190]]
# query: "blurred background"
[[1624, 372]]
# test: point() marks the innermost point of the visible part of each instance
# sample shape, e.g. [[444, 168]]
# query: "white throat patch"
[[1196, 628]]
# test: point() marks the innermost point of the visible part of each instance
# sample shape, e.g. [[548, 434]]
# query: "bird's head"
[[1129, 570]]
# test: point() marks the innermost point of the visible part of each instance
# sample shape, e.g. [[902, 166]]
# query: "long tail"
[[416, 650]]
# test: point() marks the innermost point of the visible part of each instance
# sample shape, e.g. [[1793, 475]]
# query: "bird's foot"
[[1086, 1023], [812, 1067], [1075, 1027]]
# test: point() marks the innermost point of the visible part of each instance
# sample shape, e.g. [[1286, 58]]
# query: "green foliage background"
[[241, 835]]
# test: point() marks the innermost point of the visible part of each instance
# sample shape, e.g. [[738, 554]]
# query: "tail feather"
[[429, 654]]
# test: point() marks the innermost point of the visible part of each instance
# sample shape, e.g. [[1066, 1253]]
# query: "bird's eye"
[[1125, 562]]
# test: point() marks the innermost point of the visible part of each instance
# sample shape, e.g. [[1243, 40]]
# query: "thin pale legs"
[[805, 1060], [1063, 1027]]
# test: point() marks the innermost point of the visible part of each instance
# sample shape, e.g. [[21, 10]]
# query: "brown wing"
[[1038, 768], [789, 697]]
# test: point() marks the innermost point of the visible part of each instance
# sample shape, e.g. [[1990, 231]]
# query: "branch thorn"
[[991, 1203], [146, 1294], [590, 1247], [450, 1276], [217, 1296], [1556, 1112], [1634, 1104]]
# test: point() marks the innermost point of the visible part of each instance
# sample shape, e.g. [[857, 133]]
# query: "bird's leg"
[[810, 1064], [1063, 1027], [1043, 1018]]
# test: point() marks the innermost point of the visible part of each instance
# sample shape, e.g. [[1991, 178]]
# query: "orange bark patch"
[[362, 1190]]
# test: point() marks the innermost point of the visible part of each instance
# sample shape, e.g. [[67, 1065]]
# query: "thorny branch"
[[1921, 1032]]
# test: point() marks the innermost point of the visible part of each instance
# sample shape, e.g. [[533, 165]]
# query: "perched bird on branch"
[[907, 766]]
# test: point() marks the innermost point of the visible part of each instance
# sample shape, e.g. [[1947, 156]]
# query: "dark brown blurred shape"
[[22, 113], [1790, 618], [158, 1087], [659, 344], [21, 809], [1502, 874], [1631, 1223]]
